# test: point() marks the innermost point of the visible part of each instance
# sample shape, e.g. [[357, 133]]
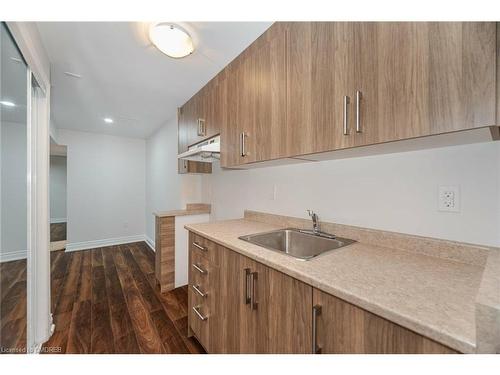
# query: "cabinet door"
[[320, 74], [287, 304], [345, 328], [256, 89], [236, 327], [462, 65], [237, 115], [421, 78], [257, 309]]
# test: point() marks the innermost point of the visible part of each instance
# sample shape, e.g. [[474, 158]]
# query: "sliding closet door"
[[13, 195]]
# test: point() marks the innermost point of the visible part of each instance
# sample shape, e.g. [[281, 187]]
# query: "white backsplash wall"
[[394, 192]]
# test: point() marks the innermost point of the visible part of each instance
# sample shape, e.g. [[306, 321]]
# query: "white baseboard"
[[76, 246], [13, 255], [150, 242], [58, 220]]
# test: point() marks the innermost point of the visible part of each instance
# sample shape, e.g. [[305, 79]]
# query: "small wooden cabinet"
[[238, 305]]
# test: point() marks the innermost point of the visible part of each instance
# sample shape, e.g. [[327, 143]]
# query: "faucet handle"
[[312, 214]]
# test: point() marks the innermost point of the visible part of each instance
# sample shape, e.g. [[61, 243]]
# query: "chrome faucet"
[[315, 220]]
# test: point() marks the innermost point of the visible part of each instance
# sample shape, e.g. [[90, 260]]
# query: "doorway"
[[57, 188]]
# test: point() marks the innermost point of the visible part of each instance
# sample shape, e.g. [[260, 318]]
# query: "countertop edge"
[[181, 213], [402, 320]]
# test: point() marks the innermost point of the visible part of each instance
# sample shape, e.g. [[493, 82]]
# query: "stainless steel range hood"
[[206, 151]]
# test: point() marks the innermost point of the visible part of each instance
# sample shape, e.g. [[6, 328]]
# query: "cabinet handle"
[[243, 152], [197, 290], [197, 245], [196, 309], [253, 303], [201, 127], [199, 269], [346, 119], [247, 281], [358, 111], [316, 312]]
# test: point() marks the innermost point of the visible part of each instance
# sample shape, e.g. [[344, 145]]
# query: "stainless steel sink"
[[297, 243]]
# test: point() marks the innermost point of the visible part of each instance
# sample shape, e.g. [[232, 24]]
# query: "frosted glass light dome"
[[171, 39]]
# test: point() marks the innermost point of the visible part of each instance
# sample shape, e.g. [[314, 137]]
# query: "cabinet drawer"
[[204, 247], [199, 270], [199, 317]]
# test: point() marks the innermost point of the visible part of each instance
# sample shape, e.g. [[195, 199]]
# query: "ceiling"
[[13, 80], [123, 76]]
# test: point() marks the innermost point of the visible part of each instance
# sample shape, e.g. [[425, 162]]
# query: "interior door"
[[320, 58]]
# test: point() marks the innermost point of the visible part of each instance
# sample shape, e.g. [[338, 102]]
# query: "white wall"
[[13, 191], [57, 188], [105, 187], [395, 192], [165, 188]]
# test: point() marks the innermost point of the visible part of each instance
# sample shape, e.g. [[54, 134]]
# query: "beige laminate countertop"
[[183, 212], [431, 296]]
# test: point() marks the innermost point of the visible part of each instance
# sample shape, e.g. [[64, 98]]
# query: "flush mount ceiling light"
[[108, 120], [171, 39], [7, 103]]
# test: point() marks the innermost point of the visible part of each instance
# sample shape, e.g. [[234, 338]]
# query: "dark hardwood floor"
[[57, 232], [13, 307], [106, 300]]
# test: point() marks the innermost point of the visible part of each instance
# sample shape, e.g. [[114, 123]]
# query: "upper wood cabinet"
[[422, 78], [310, 87], [256, 126], [320, 77]]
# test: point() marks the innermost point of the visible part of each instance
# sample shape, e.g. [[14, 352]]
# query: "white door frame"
[[39, 319]]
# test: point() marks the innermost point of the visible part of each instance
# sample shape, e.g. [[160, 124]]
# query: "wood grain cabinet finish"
[[423, 78], [252, 308], [320, 74], [186, 121], [165, 252], [256, 108], [343, 328], [308, 87]]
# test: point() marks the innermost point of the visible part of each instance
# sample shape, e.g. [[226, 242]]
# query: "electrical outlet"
[[449, 198]]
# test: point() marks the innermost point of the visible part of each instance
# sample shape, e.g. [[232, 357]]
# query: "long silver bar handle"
[[346, 118], [358, 111], [199, 269], [197, 290], [196, 309], [253, 302], [316, 312], [202, 248], [247, 281], [243, 151]]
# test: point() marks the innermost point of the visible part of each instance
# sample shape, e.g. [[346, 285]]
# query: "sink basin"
[[297, 243]]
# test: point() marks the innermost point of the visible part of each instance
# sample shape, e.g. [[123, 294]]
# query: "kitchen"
[[320, 187]]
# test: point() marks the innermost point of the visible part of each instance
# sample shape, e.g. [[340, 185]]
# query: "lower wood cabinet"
[[257, 309], [344, 328], [238, 305]]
